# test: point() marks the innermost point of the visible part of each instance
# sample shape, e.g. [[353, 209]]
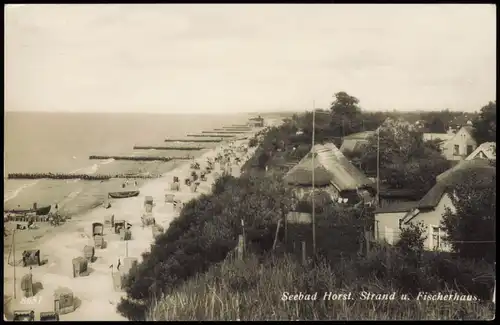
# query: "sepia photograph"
[[249, 162]]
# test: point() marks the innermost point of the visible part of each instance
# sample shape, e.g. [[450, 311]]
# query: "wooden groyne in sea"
[[231, 130], [167, 148], [137, 158], [211, 136], [64, 176], [242, 128], [223, 132], [193, 140]]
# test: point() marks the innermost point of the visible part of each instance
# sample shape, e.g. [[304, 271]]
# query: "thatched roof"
[[301, 174], [455, 176], [400, 193], [330, 167], [356, 141], [352, 145], [485, 150], [398, 206], [360, 135], [464, 165]]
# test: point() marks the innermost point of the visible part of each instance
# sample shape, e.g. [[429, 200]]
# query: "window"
[[469, 150], [437, 239], [456, 150]]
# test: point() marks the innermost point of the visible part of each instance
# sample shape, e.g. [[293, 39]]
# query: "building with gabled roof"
[[460, 145], [390, 220], [333, 173], [487, 150]]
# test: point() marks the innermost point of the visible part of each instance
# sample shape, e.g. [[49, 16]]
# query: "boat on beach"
[[39, 211], [123, 194]]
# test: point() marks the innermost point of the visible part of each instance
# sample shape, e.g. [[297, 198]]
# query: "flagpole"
[[312, 193], [378, 169], [14, 256]]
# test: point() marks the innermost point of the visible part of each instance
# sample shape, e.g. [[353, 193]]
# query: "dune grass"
[[252, 290]]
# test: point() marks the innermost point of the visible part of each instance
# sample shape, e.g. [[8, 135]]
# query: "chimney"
[[34, 206]]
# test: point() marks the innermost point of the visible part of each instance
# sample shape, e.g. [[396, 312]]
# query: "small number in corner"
[[31, 300]]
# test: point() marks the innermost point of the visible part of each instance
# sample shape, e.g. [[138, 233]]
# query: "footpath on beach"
[[95, 294]]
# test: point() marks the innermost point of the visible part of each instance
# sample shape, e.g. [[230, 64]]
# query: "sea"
[[41, 142]]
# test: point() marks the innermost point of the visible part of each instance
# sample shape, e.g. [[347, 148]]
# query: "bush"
[[411, 243], [253, 142], [204, 233]]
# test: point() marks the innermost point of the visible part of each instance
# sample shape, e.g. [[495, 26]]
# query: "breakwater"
[[64, 176], [211, 136], [223, 132], [193, 140], [137, 158], [241, 128], [166, 148], [232, 130]]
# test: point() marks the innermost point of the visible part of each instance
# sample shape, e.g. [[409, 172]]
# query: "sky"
[[173, 58]]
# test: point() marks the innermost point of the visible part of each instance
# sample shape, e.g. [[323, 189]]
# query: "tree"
[[406, 160], [203, 234], [346, 115], [437, 126], [411, 243], [485, 126], [474, 217], [263, 160]]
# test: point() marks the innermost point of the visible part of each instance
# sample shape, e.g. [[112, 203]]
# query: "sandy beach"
[[95, 295]]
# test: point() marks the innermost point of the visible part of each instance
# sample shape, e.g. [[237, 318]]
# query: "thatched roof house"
[[431, 207], [455, 176], [331, 167], [465, 165], [355, 142]]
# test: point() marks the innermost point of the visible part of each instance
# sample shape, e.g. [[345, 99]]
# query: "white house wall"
[[301, 192], [387, 224], [462, 139]]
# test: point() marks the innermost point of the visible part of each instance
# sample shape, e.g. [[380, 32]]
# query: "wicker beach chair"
[[89, 253], [175, 187], [119, 224], [47, 316], [64, 301], [148, 219], [31, 257], [169, 198], [97, 229], [125, 234], [110, 220], [24, 316], [80, 267], [99, 241]]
